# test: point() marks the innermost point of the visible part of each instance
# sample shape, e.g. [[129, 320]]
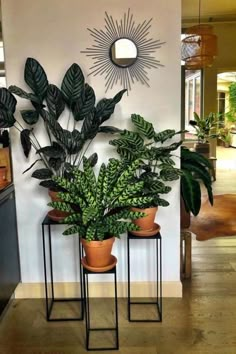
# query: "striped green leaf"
[[143, 126]]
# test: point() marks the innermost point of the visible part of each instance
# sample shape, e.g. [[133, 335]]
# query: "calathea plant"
[[63, 111], [157, 165], [99, 206]]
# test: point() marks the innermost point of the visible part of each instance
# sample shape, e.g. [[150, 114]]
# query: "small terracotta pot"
[[147, 222], [57, 213], [98, 253], [3, 174]]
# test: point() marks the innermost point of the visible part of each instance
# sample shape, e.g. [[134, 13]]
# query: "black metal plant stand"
[[49, 282], [158, 299], [89, 328]]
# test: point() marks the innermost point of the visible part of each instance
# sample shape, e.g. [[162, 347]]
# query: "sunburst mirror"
[[122, 52]]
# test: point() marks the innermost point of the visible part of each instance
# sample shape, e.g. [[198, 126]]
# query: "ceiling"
[[210, 10]]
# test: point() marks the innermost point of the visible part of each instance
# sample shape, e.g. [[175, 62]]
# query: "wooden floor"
[[202, 322]]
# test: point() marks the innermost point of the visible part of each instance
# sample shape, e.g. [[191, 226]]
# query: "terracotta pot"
[[184, 216], [58, 214], [98, 253], [3, 174], [147, 222]]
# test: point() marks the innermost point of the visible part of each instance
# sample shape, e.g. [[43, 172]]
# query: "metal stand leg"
[[88, 327], [158, 300], [49, 284]]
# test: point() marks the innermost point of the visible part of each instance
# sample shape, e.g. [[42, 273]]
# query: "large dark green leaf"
[[30, 116], [72, 85], [42, 173], [85, 105], [55, 151], [77, 141], [89, 127], [7, 119], [55, 163], [55, 101], [50, 184], [93, 159], [191, 192], [109, 130], [36, 77], [54, 126], [7, 100], [25, 141], [106, 107], [23, 94]]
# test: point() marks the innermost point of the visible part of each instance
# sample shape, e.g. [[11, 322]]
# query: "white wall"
[[54, 32]]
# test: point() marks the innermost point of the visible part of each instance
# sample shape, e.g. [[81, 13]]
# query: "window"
[[192, 99], [221, 107]]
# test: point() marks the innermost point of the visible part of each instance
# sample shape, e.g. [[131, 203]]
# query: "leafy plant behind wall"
[[66, 147], [158, 165]]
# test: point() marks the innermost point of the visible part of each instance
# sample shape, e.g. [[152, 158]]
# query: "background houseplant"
[[203, 129], [63, 111], [224, 134], [157, 163], [194, 171], [99, 206]]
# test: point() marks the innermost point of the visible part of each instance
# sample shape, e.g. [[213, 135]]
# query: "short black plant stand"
[[157, 302], [92, 313], [75, 312]]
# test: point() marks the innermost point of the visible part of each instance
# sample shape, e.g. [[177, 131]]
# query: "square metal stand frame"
[[47, 223], [88, 327], [158, 299]]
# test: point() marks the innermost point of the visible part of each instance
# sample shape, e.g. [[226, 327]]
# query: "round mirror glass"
[[123, 52]]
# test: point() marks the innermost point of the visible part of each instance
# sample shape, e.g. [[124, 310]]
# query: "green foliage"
[[158, 165], [203, 127], [71, 106], [195, 169], [100, 206], [231, 114]]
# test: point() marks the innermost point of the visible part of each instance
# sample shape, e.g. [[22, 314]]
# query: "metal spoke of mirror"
[[123, 52]]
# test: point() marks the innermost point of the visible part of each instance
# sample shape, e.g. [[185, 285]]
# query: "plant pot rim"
[[82, 239]]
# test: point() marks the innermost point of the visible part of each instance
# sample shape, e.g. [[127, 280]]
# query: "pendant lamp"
[[199, 47]]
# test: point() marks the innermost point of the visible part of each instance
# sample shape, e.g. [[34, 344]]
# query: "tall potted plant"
[[71, 119], [99, 206], [157, 167], [203, 127]]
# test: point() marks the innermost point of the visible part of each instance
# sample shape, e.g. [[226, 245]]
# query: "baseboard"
[[101, 289]]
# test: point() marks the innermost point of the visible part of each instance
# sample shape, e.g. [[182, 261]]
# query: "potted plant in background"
[[63, 111], [204, 131], [194, 172], [99, 207], [157, 164], [224, 134]]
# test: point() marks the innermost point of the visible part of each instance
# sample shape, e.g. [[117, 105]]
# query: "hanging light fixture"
[[199, 47]]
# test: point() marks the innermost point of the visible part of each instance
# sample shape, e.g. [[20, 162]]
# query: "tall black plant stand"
[[51, 299], [158, 264], [88, 313]]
